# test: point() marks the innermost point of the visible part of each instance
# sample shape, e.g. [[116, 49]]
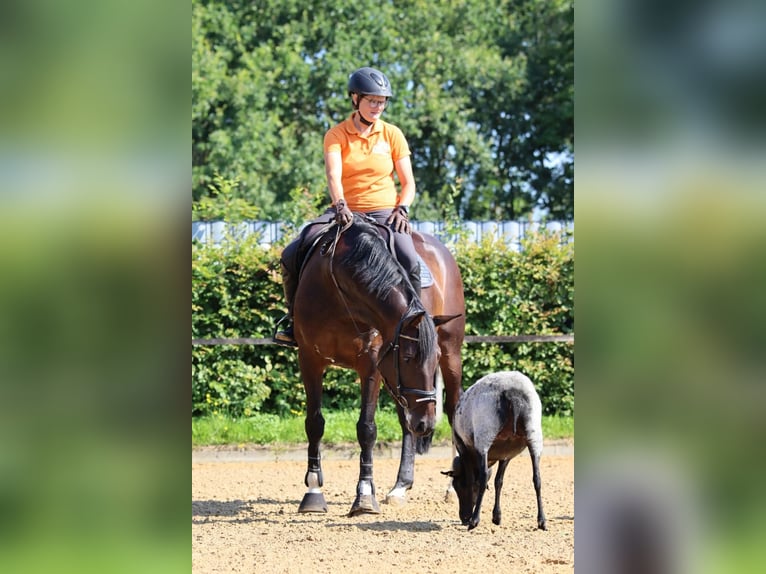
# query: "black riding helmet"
[[369, 82]]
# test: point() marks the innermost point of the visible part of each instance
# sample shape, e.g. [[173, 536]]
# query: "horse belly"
[[507, 444]]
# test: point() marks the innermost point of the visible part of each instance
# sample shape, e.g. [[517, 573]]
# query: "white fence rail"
[[512, 232]]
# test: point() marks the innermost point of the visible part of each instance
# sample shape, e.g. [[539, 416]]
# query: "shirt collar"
[[377, 125]]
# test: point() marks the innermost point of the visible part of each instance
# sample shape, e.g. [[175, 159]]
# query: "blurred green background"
[[671, 278], [94, 179]]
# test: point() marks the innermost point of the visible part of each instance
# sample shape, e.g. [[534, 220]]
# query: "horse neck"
[[380, 310], [383, 311]]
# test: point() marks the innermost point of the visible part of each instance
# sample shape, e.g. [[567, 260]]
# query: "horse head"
[[408, 364]]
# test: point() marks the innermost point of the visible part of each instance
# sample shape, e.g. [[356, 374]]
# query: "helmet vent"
[[378, 80]]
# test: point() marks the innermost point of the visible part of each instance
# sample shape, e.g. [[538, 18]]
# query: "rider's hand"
[[400, 220], [343, 215]]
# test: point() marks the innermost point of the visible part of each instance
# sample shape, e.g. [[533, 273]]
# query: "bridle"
[[399, 390]]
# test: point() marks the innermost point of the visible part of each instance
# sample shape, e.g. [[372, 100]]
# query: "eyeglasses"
[[377, 103]]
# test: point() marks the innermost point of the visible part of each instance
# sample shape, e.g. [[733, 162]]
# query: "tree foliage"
[[483, 92]]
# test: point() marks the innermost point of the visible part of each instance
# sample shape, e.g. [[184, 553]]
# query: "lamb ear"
[[448, 473]]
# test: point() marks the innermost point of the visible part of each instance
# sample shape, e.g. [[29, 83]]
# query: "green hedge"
[[530, 292], [237, 292]]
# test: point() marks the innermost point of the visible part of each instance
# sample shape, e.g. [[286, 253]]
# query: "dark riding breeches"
[[292, 255]]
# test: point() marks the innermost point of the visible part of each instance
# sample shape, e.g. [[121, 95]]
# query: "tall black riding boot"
[[286, 337]]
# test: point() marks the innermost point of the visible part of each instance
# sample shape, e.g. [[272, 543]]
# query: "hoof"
[[395, 500], [313, 502], [450, 495], [365, 504], [397, 496]]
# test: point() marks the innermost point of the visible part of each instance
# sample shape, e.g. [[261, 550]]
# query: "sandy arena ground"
[[245, 519]]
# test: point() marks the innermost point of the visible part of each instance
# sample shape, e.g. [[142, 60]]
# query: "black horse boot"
[[286, 337]]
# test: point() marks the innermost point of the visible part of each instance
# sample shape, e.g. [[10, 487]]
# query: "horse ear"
[[416, 318], [441, 319], [448, 473]]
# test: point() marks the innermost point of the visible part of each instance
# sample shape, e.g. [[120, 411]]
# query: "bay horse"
[[356, 308]]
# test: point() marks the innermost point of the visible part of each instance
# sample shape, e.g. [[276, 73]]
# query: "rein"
[[396, 392], [338, 231]]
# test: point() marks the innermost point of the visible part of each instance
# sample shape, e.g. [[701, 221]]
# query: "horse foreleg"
[[313, 500], [482, 478], [367, 433], [406, 475]]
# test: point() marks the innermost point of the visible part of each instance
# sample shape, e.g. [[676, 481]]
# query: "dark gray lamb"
[[495, 420]]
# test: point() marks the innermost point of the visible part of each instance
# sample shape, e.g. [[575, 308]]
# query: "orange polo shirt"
[[368, 163]]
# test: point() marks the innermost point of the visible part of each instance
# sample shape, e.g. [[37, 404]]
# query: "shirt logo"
[[382, 147]]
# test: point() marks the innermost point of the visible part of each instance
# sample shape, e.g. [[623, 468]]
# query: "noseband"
[[400, 390]]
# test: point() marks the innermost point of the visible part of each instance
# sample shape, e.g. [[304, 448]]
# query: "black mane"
[[374, 268], [377, 271]]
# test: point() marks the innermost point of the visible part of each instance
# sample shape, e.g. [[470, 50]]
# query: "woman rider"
[[361, 155]]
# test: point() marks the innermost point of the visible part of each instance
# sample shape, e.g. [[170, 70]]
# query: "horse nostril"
[[421, 428]]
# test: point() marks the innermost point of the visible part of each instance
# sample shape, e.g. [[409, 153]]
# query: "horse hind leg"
[[405, 477], [451, 366], [534, 453], [497, 513]]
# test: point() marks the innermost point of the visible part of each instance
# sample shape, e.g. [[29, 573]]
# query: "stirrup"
[[284, 337]]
